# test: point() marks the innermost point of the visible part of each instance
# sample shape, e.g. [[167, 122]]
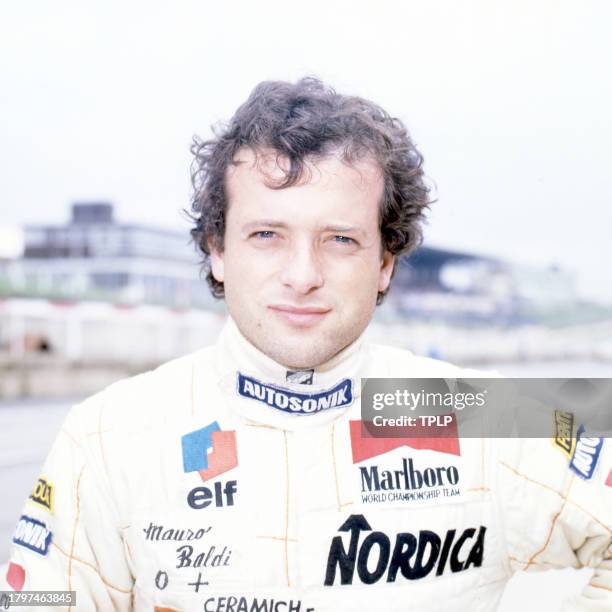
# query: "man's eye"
[[265, 234], [343, 240]]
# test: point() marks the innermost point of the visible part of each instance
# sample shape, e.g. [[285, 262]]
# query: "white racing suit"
[[220, 482]]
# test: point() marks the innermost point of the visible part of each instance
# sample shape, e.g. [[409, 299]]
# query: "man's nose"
[[302, 270]]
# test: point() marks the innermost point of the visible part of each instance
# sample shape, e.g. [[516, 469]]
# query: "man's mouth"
[[299, 316]]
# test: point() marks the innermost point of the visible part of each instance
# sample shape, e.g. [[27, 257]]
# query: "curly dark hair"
[[301, 122]]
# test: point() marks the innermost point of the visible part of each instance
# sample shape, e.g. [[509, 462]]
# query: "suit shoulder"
[[392, 362], [148, 396]]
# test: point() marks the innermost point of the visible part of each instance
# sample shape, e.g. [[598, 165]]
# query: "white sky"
[[510, 103]]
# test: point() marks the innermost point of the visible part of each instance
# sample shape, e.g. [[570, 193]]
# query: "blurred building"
[[96, 257], [467, 288]]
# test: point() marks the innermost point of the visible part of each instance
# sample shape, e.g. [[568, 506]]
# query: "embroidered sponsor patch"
[[586, 454], [15, 576], [249, 603], [403, 472], [289, 401], [220, 495], [42, 494], [209, 451], [302, 377], [565, 432], [33, 535], [366, 447], [358, 554]]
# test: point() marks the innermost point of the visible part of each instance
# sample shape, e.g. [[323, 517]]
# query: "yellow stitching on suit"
[[542, 563], [552, 527], [74, 528], [90, 566], [100, 432], [268, 537], [482, 465], [193, 389], [69, 436], [287, 509], [335, 466], [564, 497], [262, 426]]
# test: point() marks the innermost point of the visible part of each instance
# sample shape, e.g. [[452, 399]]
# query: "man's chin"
[[298, 352], [295, 347]]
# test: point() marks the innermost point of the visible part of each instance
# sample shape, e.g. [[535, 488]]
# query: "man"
[[237, 478]]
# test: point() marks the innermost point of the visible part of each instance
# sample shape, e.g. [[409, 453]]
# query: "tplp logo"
[[209, 451]]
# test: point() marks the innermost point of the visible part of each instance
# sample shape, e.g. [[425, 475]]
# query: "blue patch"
[[33, 535], [289, 401], [586, 454], [196, 446]]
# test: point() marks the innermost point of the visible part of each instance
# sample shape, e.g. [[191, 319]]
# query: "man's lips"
[[301, 316]]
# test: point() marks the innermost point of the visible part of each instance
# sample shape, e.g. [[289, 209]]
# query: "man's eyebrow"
[[339, 228], [342, 228], [264, 222]]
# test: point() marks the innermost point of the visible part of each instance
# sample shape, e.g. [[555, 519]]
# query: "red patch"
[[224, 456], [609, 479], [365, 446], [15, 576]]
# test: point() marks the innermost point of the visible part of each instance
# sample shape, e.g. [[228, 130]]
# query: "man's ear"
[[216, 261], [386, 270]]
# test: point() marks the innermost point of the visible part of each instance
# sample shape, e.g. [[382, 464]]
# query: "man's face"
[[302, 266]]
